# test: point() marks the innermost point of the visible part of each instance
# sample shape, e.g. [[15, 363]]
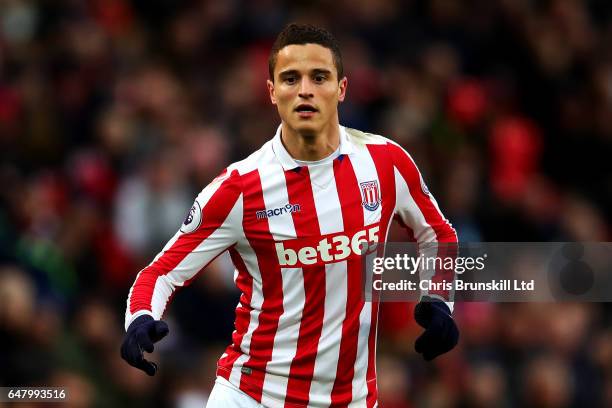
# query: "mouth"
[[305, 110]]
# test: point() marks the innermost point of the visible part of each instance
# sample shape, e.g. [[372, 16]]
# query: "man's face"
[[306, 89]]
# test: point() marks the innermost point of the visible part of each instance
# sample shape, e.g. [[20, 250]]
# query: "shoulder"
[[255, 160], [364, 140], [231, 178]]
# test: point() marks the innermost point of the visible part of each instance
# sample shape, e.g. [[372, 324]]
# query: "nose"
[[306, 88]]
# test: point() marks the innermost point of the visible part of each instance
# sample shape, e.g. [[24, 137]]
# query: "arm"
[[418, 211], [210, 228]]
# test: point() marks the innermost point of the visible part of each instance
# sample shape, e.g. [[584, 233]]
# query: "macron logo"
[[287, 209]]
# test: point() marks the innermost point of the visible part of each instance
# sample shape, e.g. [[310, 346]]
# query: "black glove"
[[441, 333], [140, 336]]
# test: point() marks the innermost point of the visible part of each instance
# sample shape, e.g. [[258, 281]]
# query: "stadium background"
[[114, 114]]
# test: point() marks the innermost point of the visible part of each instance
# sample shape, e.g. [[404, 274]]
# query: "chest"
[[314, 201]]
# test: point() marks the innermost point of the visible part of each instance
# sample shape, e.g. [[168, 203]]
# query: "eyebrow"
[[296, 72], [288, 72]]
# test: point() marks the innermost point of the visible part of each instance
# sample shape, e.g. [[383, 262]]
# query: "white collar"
[[288, 162]]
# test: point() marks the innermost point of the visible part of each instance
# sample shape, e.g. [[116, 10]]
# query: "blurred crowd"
[[114, 114]]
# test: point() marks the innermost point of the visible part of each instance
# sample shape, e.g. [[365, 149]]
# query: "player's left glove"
[[441, 333]]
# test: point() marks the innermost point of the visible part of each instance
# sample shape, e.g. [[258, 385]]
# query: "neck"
[[311, 146]]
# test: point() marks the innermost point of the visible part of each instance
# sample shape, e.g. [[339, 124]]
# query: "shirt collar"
[[288, 163]]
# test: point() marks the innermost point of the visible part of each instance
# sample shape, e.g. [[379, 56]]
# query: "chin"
[[306, 129]]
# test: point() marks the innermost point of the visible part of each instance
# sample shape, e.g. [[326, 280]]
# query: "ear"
[[342, 89], [271, 91]]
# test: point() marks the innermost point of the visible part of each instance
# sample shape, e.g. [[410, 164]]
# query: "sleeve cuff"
[[130, 318], [449, 304]]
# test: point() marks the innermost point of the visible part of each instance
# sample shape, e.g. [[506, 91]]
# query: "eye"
[[290, 80], [320, 78]]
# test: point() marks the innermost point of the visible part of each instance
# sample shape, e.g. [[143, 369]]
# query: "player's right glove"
[[140, 336], [441, 333]]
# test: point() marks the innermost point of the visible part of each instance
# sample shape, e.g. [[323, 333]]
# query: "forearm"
[[149, 295]]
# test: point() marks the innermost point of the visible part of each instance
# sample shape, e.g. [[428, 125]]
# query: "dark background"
[[114, 114]]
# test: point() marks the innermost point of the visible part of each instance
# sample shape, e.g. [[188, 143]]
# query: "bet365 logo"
[[331, 248]]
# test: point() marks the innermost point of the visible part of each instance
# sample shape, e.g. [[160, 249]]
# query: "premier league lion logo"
[[193, 219]]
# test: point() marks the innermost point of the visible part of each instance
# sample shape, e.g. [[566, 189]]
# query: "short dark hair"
[[305, 34]]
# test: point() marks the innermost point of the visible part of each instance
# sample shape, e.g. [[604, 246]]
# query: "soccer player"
[[293, 216]]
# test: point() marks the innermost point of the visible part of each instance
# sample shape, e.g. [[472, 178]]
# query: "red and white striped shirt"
[[303, 334]]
